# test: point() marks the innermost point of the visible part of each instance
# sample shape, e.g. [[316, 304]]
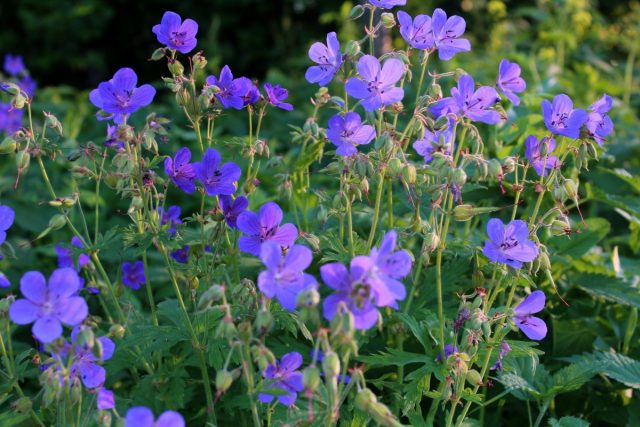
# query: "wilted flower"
[[263, 226], [446, 33], [509, 80], [49, 305], [181, 255], [113, 138], [10, 118], [533, 152], [120, 96], [504, 350], [533, 327], [133, 274], [509, 245], [176, 34], [348, 132], [439, 141], [13, 64], [329, 59], [276, 94], [466, 101], [599, 124], [181, 172], [284, 277], [171, 216], [215, 178], [375, 87], [284, 376], [140, 416], [388, 4], [231, 209], [561, 118], [417, 32], [65, 255]]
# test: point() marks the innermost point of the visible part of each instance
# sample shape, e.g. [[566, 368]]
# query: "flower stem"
[[376, 212]]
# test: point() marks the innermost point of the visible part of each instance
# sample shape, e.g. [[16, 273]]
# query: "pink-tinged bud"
[[311, 378], [331, 364], [224, 379]]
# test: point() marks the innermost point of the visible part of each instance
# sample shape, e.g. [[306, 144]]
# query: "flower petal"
[[47, 329], [33, 286]]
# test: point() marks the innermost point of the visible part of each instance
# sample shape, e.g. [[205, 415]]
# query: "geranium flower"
[[13, 64], [176, 34], [215, 178], [417, 32], [329, 60], [284, 376], [446, 33], [10, 118], [509, 80], [120, 97], [181, 172], [348, 132], [172, 217], [561, 118], [509, 245], [231, 209], [263, 226], [533, 327], [388, 4], [140, 416], [276, 94], [438, 141], [542, 163], [65, 255], [376, 85], [599, 124], [466, 101], [133, 274]]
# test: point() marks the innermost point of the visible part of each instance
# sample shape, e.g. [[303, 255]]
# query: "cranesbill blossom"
[[13, 64], [248, 91], [509, 80], [133, 274], [140, 416], [284, 277], [120, 97], [28, 85], [599, 124], [388, 4], [114, 138], [561, 118], [438, 141], [348, 132], [533, 327], [4, 281], [229, 89], [84, 363], [263, 226], [509, 245], [176, 34], [172, 217], [329, 59], [466, 101], [446, 33], [542, 163], [181, 255], [276, 94], [7, 215], [49, 305], [504, 350], [417, 31], [217, 179], [181, 172], [105, 399], [10, 118], [231, 209], [65, 255], [284, 376], [376, 85]]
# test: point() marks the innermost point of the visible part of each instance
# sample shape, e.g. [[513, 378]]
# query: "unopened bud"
[[395, 166], [364, 399], [473, 377], [331, 364], [176, 68], [352, 48], [224, 379], [570, 188], [463, 212], [495, 169], [117, 331], [409, 174], [311, 378], [264, 321], [458, 177], [57, 222], [509, 165], [52, 122], [85, 337], [388, 20], [22, 160], [356, 12], [8, 146], [308, 298], [199, 61], [157, 54], [22, 405]]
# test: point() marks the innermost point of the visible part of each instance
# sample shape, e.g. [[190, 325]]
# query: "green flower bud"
[[356, 12], [409, 174], [224, 379], [57, 222], [52, 122], [463, 212], [158, 54], [176, 68], [431, 241], [22, 160], [310, 378], [352, 48], [364, 399], [8, 146], [495, 169], [308, 298], [86, 337], [509, 165], [331, 364], [117, 331], [22, 405], [18, 101], [97, 349], [570, 188], [474, 378], [11, 88], [395, 166], [264, 321], [435, 91], [388, 20], [458, 177], [441, 123], [199, 61]]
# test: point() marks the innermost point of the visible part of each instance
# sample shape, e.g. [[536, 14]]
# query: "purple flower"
[[133, 274], [509, 80], [120, 96], [263, 226], [28, 85], [370, 283], [533, 327], [10, 118], [449, 349], [375, 87], [181, 172], [176, 34], [49, 305], [329, 60], [439, 141], [65, 256], [230, 90], [181, 255], [534, 153], [231, 209], [446, 33], [84, 363], [417, 32], [276, 94], [7, 215], [247, 91], [465, 100], [388, 4], [284, 376], [504, 350], [113, 138], [561, 118], [284, 277], [172, 217], [348, 132], [105, 399], [140, 416], [599, 124], [13, 64], [509, 245], [4, 281], [215, 178]]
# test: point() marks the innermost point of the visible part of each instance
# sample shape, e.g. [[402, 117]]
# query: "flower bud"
[[331, 364], [395, 166], [308, 298], [352, 48], [13, 89], [435, 91], [8, 146], [463, 212], [158, 54], [52, 122], [364, 185], [199, 61], [310, 378], [18, 101], [117, 331], [264, 321], [85, 337], [473, 377], [176, 68], [97, 349], [388, 20], [509, 165], [22, 405], [364, 399], [458, 177], [431, 241], [570, 188], [356, 12], [383, 142], [495, 169], [224, 379], [226, 329], [57, 222], [136, 204], [409, 174], [22, 160]]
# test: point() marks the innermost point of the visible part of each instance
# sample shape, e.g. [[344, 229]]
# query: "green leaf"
[[610, 288], [614, 365], [568, 422], [395, 357], [580, 243]]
